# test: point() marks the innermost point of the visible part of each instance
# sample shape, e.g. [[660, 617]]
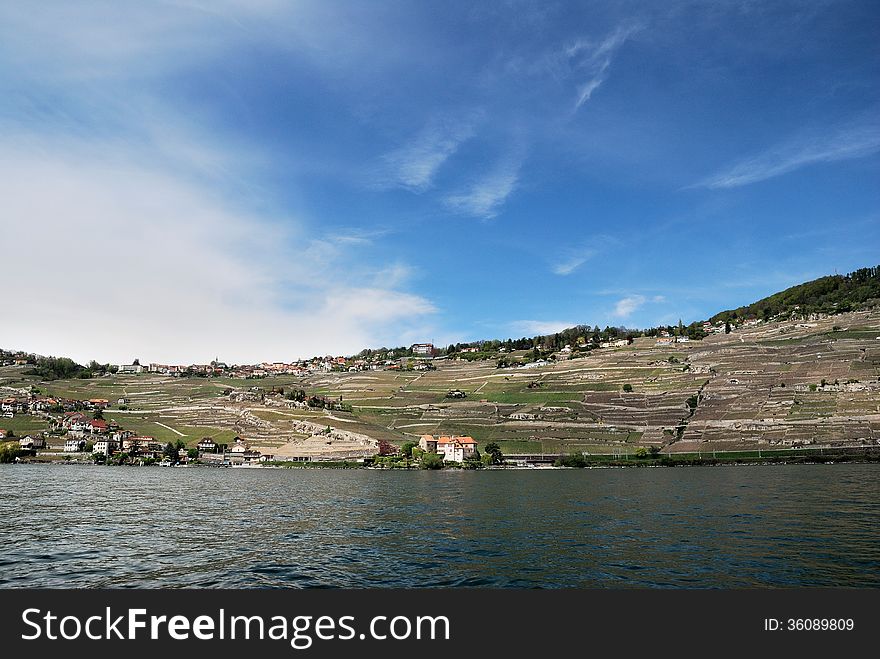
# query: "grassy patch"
[[23, 424]]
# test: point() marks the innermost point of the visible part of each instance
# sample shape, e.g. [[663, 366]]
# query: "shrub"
[[431, 461], [628, 388], [575, 460]]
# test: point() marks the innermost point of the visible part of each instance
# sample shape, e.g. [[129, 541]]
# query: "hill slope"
[[833, 294]]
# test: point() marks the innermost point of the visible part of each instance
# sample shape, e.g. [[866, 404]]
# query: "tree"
[[136, 362], [192, 454], [727, 327], [474, 461], [431, 461], [407, 449], [628, 388], [99, 414], [496, 457], [451, 349], [170, 452], [576, 460]]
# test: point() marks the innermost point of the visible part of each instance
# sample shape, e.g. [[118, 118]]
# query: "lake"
[[698, 527]]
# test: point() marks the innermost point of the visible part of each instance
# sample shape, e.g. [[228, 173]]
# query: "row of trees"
[[63, 368], [829, 295]]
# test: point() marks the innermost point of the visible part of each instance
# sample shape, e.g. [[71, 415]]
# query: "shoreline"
[[864, 455]]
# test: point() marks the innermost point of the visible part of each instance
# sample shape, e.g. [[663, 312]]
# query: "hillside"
[[827, 295], [774, 385]]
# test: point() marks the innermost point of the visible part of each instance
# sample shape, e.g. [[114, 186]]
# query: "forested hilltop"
[[827, 295]]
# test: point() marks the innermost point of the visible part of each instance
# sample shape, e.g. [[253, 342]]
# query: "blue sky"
[[269, 180]]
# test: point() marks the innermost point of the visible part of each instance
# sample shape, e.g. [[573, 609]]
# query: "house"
[[74, 445], [97, 403], [207, 445], [428, 444], [422, 349], [73, 420], [665, 340], [70, 418], [3, 433], [43, 404], [239, 447], [13, 405], [129, 369], [683, 339], [106, 446], [32, 442], [98, 426], [456, 449], [133, 444], [469, 350]]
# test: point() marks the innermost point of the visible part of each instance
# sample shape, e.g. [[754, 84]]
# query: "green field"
[[23, 424]]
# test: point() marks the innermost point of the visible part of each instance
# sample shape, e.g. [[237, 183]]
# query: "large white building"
[[453, 449], [423, 350]]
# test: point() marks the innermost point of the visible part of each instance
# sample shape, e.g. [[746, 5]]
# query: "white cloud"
[[568, 265], [536, 327], [414, 166], [394, 275], [628, 305], [485, 196], [591, 60], [854, 141], [124, 260]]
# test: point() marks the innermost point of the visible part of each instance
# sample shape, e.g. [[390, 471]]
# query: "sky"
[[263, 180]]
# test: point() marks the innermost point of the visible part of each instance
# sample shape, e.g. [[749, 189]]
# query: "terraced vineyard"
[[773, 385]]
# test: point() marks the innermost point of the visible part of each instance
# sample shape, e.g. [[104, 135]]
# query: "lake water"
[[732, 526]]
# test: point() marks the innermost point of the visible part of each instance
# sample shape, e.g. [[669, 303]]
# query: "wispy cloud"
[[591, 60], [853, 141], [358, 236], [414, 165], [571, 263], [628, 305], [568, 260], [485, 196], [536, 327], [394, 275]]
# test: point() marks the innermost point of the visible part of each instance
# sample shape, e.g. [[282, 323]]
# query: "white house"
[[106, 446], [423, 349], [74, 445], [456, 449], [32, 442]]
